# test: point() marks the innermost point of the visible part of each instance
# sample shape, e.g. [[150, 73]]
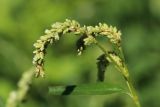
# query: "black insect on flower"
[[80, 44], [102, 64]]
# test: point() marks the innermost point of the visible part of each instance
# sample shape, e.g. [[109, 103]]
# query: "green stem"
[[131, 88], [125, 73], [129, 83]]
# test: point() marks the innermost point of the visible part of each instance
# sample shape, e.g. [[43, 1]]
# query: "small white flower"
[[47, 31], [89, 40], [56, 36]]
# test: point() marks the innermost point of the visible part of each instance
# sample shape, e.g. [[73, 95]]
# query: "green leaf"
[[86, 89]]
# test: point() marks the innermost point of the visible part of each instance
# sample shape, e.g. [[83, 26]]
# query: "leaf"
[[86, 89]]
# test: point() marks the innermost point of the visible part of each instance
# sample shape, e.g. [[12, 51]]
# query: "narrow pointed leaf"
[[86, 89]]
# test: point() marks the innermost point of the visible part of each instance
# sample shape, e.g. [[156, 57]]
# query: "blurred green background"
[[22, 22]]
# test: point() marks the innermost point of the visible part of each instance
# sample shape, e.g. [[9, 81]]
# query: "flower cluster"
[[116, 59], [52, 35], [18, 95], [111, 32]]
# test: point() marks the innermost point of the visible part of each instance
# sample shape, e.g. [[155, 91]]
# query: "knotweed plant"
[[87, 36]]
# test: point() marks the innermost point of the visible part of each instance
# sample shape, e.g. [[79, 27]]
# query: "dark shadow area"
[[69, 90]]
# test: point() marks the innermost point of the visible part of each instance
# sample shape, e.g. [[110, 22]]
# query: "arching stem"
[[124, 71]]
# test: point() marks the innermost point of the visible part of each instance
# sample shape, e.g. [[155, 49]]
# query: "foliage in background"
[[23, 21]]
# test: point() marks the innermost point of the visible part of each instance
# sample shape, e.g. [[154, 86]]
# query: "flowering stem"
[[132, 90], [71, 26], [124, 71], [18, 95]]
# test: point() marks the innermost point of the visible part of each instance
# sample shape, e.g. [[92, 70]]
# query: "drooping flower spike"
[[88, 36]]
